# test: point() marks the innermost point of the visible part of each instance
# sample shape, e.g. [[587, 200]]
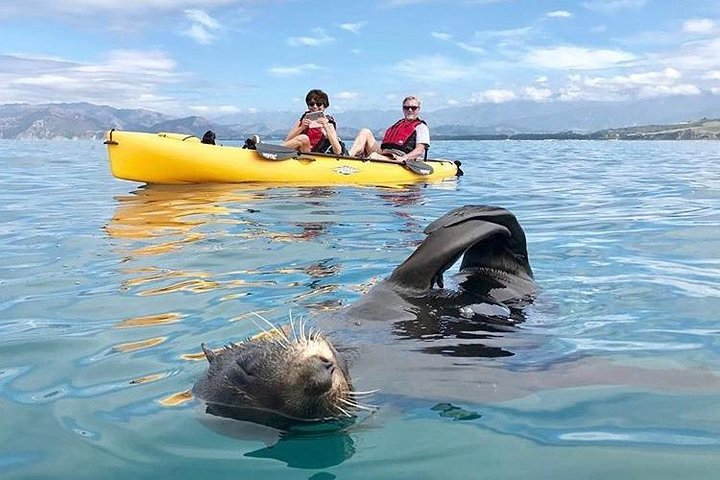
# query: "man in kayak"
[[315, 131], [407, 139]]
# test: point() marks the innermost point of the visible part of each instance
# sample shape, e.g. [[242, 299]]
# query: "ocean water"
[[108, 287]]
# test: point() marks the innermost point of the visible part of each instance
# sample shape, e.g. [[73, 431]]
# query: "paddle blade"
[[419, 167], [275, 152]]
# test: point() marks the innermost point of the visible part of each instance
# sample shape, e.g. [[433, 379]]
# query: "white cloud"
[[537, 94], [714, 75], [578, 58], [402, 3], [434, 68], [214, 109], [318, 38], [470, 48], [510, 34], [85, 8], [703, 26], [293, 70], [623, 87], [612, 6], [666, 78], [353, 27], [125, 78], [493, 96], [201, 27], [651, 91], [346, 95], [700, 56], [445, 37], [202, 18], [560, 14]]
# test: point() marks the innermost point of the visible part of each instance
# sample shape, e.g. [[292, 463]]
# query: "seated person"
[[315, 135], [407, 139]]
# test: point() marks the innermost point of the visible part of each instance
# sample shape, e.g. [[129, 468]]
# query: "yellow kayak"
[[179, 158]]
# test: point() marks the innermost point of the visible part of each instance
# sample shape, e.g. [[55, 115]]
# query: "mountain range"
[[506, 120]]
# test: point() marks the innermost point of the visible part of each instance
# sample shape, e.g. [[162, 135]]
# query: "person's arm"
[[331, 135], [298, 128], [417, 152]]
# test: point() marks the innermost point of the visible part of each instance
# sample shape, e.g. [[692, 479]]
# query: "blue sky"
[[213, 57]]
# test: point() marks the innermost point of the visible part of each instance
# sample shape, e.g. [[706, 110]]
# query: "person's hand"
[[305, 123], [324, 122]]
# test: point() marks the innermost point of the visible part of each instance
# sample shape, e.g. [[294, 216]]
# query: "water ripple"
[[107, 289]]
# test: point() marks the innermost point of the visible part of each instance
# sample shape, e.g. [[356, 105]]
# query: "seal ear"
[[209, 354]]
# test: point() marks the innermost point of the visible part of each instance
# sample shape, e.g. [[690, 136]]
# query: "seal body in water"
[[494, 276], [306, 378]]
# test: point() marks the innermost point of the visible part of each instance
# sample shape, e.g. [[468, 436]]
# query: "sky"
[[218, 57]]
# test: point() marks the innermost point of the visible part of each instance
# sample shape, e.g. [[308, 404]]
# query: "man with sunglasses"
[[407, 139], [315, 131]]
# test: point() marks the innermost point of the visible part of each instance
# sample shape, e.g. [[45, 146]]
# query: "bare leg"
[[300, 142], [364, 143]]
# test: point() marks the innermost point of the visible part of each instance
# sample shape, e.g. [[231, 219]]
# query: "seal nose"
[[322, 374]]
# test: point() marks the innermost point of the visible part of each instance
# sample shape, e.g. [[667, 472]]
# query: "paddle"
[[275, 152], [398, 156], [279, 152]]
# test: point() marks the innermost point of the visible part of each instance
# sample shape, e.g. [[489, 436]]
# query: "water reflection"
[[450, 334], [305, 445], [189, 213], [309, 451], [161, 210], [157, 222]]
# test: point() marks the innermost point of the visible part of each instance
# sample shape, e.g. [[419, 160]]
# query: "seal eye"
[[326, 362], [243, 373]]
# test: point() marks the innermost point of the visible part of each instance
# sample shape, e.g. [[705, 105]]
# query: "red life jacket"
[[316, 135], [401, 136]]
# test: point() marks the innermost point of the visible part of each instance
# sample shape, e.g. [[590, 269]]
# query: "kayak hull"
[[172, 158]]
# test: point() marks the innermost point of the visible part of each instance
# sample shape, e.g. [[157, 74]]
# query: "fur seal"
[[305, 378], [277, 376]]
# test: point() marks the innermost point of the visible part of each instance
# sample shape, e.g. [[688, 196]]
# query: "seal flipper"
[[442, 248]]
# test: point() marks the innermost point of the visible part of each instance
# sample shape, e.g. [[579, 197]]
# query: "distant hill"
[[705, 129], [71, 120], [510, 120]]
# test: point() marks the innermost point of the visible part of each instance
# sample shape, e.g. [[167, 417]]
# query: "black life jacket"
[[401, 136], [319, 142]]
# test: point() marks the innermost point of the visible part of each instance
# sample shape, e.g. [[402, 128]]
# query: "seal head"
[[301, 379]]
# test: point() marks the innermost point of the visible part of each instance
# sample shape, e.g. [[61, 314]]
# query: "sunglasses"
[[410, 107], [316, 104]]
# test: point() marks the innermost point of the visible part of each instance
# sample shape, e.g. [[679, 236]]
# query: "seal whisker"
[[345, 412], [362, 394], [292, 327], [367, 408], [302, 329], [273, 328]]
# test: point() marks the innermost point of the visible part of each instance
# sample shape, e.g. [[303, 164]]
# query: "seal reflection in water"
[[303, 377]]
